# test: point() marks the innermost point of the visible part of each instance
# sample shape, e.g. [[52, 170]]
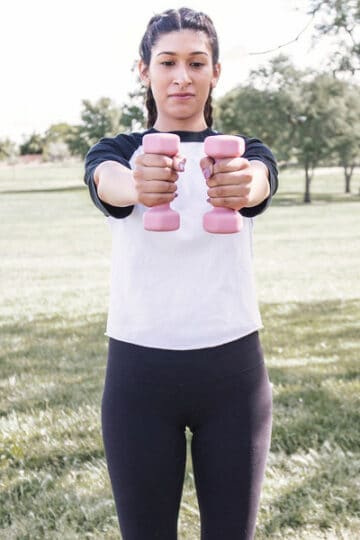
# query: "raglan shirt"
[[183, 289]]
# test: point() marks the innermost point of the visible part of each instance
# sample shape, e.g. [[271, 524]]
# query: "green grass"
[[54, 274]]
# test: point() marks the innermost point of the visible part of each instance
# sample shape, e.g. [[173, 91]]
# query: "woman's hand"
[[155, 178], [235, 182], [229, 181]]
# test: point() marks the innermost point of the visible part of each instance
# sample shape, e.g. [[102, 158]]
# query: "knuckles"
[[224, 191], [137, 174], [239, 177]]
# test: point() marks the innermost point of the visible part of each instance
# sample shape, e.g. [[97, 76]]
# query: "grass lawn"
[[55, 256]]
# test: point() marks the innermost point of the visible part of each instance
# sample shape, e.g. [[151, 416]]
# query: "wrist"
[[116, 185], [260, 185]]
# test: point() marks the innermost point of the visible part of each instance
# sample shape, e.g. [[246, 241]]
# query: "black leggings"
[[223, 394]]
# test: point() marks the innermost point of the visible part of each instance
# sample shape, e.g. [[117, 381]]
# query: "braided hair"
[[168, 21]]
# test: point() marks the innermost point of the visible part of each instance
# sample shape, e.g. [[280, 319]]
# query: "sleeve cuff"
[[261, 207]]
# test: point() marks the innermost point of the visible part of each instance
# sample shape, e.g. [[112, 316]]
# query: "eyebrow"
[[170, 53]]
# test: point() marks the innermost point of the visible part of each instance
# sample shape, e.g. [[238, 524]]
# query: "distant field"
[[55, 248], [43, 176]]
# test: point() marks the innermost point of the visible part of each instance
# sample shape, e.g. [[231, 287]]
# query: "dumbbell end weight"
[[222, 221], [161, 218]]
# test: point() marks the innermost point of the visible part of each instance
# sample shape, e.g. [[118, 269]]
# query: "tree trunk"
[[307, 195], [348, 171]]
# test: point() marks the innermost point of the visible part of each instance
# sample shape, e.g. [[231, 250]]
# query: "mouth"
[[182, 95]]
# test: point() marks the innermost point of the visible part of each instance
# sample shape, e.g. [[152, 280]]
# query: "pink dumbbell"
[[161, 217], [223, 220]]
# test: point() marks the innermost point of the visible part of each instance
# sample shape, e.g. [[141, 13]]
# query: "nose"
[[182, 76]]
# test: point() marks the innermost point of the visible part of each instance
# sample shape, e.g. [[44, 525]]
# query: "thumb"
[[179, 163], [207, 164]]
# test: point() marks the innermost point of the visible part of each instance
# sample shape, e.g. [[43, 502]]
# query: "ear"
[[216, 75], [144, 73]]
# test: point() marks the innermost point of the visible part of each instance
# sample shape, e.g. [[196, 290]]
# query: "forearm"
[[260, 187], [115, 184]]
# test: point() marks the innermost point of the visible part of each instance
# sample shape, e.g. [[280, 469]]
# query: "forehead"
[[182, 42]]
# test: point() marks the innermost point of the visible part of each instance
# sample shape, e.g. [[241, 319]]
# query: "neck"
[[180, 124]]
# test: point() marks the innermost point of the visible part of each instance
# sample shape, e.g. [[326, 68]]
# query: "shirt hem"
[[223, 341]]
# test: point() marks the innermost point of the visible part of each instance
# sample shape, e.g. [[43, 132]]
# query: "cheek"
[[158, 90], [205, 83], [163, 81], [206, 89]]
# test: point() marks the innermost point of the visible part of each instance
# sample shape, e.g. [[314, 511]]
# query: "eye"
[[167, 63], [196, 64]]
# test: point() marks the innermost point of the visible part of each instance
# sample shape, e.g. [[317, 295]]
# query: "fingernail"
[[182, 166], [207, 173]]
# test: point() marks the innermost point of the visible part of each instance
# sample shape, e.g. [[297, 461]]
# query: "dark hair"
[[170, 21]]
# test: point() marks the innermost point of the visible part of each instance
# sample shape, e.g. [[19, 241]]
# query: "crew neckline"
[[187, 136]]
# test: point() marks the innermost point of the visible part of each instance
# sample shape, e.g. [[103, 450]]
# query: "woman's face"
[[181, 74]]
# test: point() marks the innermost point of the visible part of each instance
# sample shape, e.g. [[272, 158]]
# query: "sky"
[[55, 54]]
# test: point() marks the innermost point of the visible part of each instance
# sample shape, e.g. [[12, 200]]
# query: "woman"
[[183, 321]]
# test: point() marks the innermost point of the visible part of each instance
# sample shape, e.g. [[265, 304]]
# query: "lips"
[[182, 95]]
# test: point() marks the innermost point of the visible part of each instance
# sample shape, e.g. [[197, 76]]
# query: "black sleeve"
[[120, 149], [255, 149]]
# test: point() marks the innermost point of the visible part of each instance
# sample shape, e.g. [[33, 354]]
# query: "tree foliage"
[[302, 115], [99, 119], [340, 18], [133, 112], [58, 142], [8, 149], [33, 145]]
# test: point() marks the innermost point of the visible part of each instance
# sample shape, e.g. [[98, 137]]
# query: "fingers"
[[235, 203], [165, 174], [158, 186], [230, 184], [237, 177], [229, 165], [153, 160], [152, 193], [219, 171], [156, 160], [155, 178], [154, 199], [235, 190]]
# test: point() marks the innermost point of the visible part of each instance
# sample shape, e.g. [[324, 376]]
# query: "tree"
[[75, 141], [321, 121], [271, 106], [259, 113], [299, 114], [56, 151], [58, 132], [340, 18], [133, 116], [347, 144], [8, 149], [133, 113], [33, 145], [99, 119], [58, 138]]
